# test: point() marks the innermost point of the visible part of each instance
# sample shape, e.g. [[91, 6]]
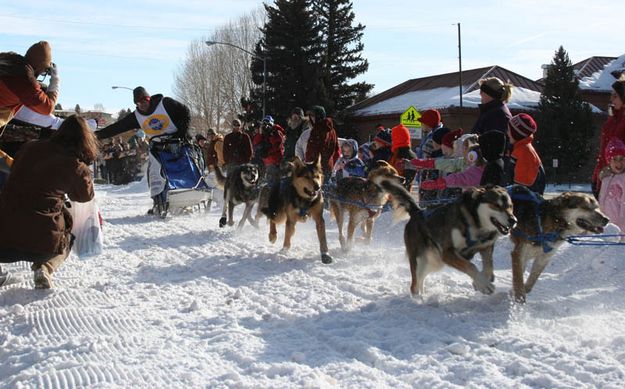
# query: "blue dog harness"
[[541, 238]]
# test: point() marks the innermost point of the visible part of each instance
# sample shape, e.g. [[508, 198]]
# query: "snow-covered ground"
[[182, 303]]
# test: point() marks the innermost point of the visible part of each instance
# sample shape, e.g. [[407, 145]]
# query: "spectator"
[[349, 165], [35, 224], [269, 143], [18, 82], [296, 125], [400, 150], [493, 147], [323, 141], [381, 147], [214, 151], [466, 179], [612, 194], [614, 127], [526, 168], [430, 121], [237, 147], [494, 113]]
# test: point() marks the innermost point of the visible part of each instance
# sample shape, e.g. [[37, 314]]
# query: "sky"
[[97, 45]]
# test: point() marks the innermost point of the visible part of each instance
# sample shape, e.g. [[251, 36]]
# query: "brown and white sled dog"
[[293, 199], [452, 234], [240, 187], [560, 217], [362, 199]]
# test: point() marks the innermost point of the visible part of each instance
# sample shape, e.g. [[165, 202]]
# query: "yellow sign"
[[409, 118]]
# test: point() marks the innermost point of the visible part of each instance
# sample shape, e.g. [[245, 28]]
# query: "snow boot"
[[42, 277]]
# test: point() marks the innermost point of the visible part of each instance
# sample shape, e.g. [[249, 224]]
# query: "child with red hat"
[[526, 168], [612, 193]]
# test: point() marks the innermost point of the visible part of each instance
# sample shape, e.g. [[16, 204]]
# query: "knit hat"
[[384, 137], [268, 120], [438, 134], [211, 132], [199, 137], [492, 145], [297, 111], [139, 93], [619, 88], [236, 123], [493, 87], [431, 118], [400, 137], [614, 148], [39, 56], [319, 112], [450, 137], [521, 126]]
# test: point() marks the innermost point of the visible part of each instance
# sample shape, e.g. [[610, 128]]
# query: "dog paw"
[[231, 223], [326, 258], [273, 237], [222, 222], [484, 287]]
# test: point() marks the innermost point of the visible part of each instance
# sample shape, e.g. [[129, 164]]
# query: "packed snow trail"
[[181, 303]]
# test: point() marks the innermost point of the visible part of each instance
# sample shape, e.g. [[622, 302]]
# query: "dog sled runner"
[[176, 176]]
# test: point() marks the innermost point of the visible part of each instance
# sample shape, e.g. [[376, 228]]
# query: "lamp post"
[[263, 58], [120, 87]]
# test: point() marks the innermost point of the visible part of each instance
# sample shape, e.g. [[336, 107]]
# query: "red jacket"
[[323, 141], [273, 149], [614, 127], [18, 86]]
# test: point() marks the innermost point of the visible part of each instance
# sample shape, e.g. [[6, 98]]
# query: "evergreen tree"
[[58, 107], [342, 58], [291, 43], [564, 120]]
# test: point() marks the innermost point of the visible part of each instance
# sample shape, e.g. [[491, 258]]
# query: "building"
[[440, 92], [596, 76]]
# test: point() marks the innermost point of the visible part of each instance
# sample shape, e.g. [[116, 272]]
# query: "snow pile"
[[180, 302], [603, 79]]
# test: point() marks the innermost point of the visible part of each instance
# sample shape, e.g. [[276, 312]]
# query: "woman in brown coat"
[[34, 223]]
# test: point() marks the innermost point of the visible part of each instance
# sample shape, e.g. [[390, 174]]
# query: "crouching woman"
[[34, 223]]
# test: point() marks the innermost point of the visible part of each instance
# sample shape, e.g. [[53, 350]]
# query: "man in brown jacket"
[[237, 147], [18, 82], [214, 150]]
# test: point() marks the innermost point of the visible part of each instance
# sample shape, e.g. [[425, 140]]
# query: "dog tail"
[[220, 179], [402, 201]]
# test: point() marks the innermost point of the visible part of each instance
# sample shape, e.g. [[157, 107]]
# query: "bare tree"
[[212, 80]]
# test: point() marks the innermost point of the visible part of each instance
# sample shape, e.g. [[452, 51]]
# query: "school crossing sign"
[[410, 119]]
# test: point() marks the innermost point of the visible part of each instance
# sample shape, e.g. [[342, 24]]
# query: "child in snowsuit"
[[348, 165], [526, 168]]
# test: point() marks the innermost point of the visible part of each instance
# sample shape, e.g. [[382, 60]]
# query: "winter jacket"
[[178, 112], [292, 136], [494, 115], [526, 166], [614, 127], [400, 137], [270, 145], [237, 148], [302, 142], [495, 173], [214, 152], [19, 87], [34, 218], [612, 199], [469, 178], [323, 142], [349, 166]]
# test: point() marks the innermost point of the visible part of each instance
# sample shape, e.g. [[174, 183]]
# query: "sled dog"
[[452, 234], [240, 187], [362, 199], [543, 225], [293, 199]]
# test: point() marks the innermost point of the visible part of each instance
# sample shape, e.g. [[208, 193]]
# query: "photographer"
[[269, 144], [18, 82]]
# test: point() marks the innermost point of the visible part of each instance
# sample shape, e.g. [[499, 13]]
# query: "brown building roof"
[[591, 65]]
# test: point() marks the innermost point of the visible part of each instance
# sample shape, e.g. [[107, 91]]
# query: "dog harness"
[[541, 238]]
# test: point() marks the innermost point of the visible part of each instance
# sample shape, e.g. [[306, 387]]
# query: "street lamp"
[[263, 58], [121, 87]]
